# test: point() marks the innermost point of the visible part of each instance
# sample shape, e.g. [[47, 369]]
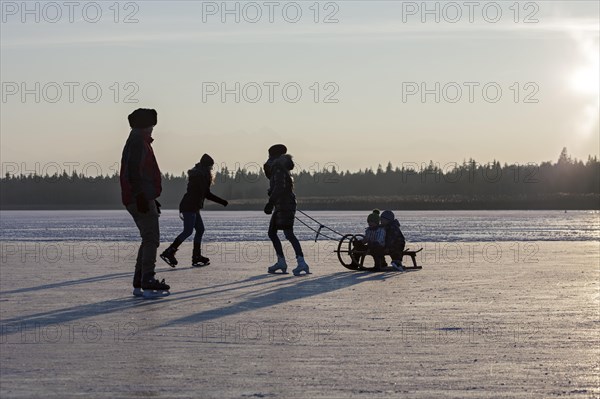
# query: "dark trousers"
[[289, 235], [147, 224], [377, 251], [191, 221], [395, 250]]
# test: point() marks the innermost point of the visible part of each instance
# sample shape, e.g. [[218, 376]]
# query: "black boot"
[[168, 254], [152, 287], [137, 278], [378, 263], [137, 282], [197, 258]]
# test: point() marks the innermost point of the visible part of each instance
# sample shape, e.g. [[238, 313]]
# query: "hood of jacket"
[[268, 168], [394, 223], [199, 170], [285, 161]]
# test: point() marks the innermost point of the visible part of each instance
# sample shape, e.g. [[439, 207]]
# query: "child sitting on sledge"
[[394, 239], [374, 240]]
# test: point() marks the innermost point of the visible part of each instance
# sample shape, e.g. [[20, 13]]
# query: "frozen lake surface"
[[473, 327], [229, 226]]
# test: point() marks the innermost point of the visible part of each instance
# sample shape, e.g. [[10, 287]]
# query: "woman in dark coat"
[[282, 206], [200, 179]]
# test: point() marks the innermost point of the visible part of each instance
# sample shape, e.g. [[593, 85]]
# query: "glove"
[[158, 205], [141, 203], [269, 208], [224, 202]]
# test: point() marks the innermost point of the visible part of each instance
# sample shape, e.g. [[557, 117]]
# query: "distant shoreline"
[[415, 202]]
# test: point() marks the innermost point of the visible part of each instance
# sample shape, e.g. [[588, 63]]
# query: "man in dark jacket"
[[200, 179], [282, 206], [140, 186]]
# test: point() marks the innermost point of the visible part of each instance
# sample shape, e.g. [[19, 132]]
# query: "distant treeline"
[[565, 184]]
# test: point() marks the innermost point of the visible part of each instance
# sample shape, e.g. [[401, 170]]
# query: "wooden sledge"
[[354, 258]]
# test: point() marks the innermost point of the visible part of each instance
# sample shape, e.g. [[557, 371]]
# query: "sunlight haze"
[[362, 66]]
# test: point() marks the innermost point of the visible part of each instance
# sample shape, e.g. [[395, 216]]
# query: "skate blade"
[[138, 292], [167, 261], [302, 274], [151, 294], [277, 272], [200, 264]]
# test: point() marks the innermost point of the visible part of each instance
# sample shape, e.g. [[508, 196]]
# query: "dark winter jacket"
[[139, 169], [281, 193], [268, 169], [393, 234], [198, 189]]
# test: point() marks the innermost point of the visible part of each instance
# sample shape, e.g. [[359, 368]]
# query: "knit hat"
[[142, 118], [388, 215], [277, 150], [373, 217], [207, 160]]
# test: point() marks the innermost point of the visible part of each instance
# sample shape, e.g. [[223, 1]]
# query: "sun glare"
[[585, 80]]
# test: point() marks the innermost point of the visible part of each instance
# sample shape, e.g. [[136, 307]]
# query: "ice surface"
[[430, 226]]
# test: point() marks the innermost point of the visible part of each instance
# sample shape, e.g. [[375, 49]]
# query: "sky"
[[352, 84]]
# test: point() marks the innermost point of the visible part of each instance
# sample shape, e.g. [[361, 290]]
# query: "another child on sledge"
[[374, 240], [200, 178], [394, 239]]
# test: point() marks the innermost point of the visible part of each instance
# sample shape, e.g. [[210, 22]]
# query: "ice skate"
[[152, 288], [168, 256], [199, 261], [302, 267], [280, 265]]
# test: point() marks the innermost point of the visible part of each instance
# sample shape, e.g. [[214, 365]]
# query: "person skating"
[[282, 208], [394, 239], [140, 186], [200, 178]]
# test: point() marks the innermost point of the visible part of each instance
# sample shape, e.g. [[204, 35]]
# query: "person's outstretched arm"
[[210, 196]]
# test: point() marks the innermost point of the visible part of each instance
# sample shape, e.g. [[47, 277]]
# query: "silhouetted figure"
[[394, 239], [282, 206], [375, 239], [140, 186], [200, 178]]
